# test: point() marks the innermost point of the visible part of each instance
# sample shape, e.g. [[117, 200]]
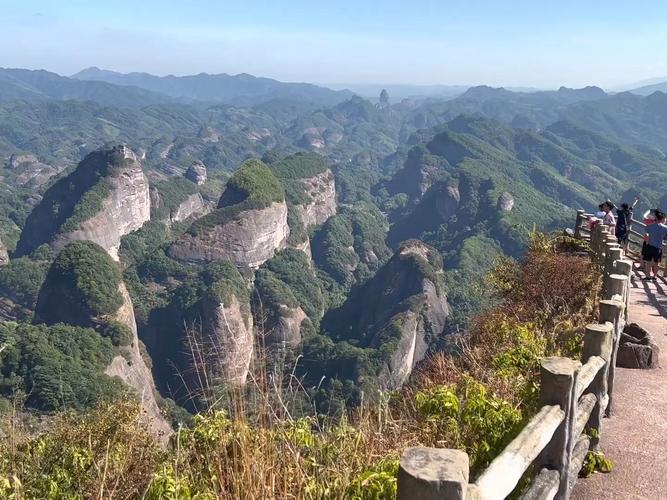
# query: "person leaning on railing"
[[623, 221], [656, 234]]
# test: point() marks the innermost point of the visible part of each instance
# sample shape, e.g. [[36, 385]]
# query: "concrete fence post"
[[598, 341], [624, 267], [614, 286], [579, 222], [613, 252], [611, 311], [433, 474], [558, 386]]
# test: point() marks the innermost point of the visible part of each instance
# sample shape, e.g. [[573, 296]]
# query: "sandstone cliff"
[[248, 227], [284, 327], [131, 368], [320, 191], [4, 255], [249, 238], [192, 207], [400, 312], [228, 340], [105, 198]]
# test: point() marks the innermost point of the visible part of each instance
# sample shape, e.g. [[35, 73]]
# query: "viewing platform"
[[586, 405]]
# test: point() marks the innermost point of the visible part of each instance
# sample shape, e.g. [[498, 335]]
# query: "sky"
[[542, 44]]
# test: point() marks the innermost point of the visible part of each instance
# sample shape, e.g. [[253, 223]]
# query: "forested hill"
[[298, 231]]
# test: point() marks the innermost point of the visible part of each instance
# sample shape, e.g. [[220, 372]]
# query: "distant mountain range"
[[649, 89], [221, 88], [136, 90], [37, 85]]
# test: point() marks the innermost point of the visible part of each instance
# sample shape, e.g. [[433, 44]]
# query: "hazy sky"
[[511, 43]]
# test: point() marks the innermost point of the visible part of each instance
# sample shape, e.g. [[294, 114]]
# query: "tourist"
[[652, 251], [624, 221], [608, 219]]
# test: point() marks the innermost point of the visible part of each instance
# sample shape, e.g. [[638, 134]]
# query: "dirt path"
[[635, 437]]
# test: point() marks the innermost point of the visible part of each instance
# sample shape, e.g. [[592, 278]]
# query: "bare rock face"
[[131, 368], [193, 206], [124, 205], [30, 171], [208, 134], [321, 189], [447, 202], [285, 327], [196, 173], [505, 202], [4, 255], [405, 300], [250, 238], [312, 139], [229, 340]]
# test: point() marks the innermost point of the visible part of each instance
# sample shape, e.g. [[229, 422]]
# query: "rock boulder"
[[637, 349]]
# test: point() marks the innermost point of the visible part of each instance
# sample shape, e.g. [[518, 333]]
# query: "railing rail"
[[574, 398]]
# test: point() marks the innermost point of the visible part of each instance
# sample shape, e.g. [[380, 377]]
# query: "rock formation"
[[505, 202], [404, 305], [447, 202], [284, 328], [196, 173], [29, 171], [105, 198], [321, 191], [248, 227], [131, 368], [192, 207], [250, 238], [4, 255], [84, 288], [228, 340]]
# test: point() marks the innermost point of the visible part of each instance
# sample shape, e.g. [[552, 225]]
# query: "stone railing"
[[636, 233], [574, 398]]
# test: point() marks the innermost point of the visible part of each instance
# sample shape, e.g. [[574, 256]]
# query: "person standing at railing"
[[609, 219], [652, 251], [623, 221]]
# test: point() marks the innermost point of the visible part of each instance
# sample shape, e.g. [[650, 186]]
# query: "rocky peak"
[[105, 198], [403, 305], [196, 173], [249, 225], [321, 192], [84, 288]]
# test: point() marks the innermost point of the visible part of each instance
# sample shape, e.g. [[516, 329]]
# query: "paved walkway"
[[635, 437]]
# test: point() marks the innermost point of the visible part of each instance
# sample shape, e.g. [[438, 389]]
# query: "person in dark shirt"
[[623, 222], [652, 251]]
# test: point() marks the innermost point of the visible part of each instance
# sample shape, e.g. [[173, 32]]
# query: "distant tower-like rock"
[[197, 173], [384, 98]]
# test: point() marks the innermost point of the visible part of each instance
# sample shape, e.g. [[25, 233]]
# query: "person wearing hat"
[[609, 219]]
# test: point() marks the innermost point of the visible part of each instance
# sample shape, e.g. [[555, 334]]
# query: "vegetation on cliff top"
[[253, 186], [85, 280], [55, 367], [172, 193]]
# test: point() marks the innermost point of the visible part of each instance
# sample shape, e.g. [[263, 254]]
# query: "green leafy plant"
[[595, 461]]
